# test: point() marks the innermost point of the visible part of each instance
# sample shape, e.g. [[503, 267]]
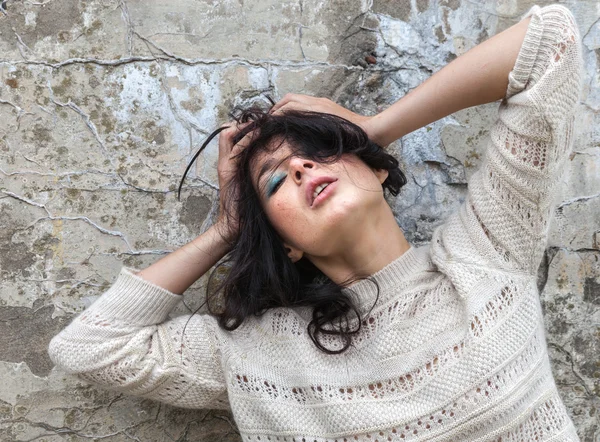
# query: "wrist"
[[375, 128], [225, 235]]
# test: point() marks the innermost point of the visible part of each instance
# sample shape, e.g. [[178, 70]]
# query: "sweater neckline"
[[390, 279]]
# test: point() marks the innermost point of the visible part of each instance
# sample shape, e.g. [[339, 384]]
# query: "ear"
[[381, 174], [293, 253]]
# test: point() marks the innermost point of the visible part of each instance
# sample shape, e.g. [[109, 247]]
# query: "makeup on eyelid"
[[274, 181]]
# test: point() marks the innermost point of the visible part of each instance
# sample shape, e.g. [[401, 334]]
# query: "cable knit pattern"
[[454, 348]]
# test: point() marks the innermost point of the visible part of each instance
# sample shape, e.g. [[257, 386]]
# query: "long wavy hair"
[[260, 274]]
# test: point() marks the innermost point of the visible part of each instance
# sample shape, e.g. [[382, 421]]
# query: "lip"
[[313, 184]]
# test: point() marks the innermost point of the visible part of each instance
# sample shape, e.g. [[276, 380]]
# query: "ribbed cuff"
[[134, 300], [521, 72]]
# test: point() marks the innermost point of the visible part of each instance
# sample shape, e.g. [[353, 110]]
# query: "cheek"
[[363, 178], [283, 215], [289, 222]]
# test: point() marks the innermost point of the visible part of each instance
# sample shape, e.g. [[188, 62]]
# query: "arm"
[[181, 268], [510, 201], [535, 66], [126, 341], [477, 77]]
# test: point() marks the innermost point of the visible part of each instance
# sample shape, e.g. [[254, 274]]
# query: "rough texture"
[[103, 102]]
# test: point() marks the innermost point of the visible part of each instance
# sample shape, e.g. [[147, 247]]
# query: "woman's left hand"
[[324, 105]]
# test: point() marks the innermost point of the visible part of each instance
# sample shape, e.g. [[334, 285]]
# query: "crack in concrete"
[[22, 45], [53, 282], [75, 61], [177, 177], [300, 27], [577, 200], [20, 112], [66, 430], [56, 175], [579, 152], [38, 3], [17, 108], [91, 126], [572, 250], [128, 24], [570, 360], [590, 30], [94, 131], [85, 219], [167, 56], [108, 186], [188, 124], [30, 160]]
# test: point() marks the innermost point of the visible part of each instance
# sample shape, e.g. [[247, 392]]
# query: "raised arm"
[[181, 268], [477, 77], [535, 68], [177, 271], [126, 341]]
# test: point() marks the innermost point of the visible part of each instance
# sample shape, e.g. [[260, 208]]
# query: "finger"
[[289, 98], [226, 137], [294, 106], [229, 149], [242, 144], [225, 143], [286, 99]]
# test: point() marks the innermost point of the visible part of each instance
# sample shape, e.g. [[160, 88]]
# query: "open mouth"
[[319, 189]]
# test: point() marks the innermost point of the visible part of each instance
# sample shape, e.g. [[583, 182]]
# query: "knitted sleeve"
[[510, 200], [125, 341]]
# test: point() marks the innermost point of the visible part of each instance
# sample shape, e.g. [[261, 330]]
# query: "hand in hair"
[[324, 105], [229, 151]]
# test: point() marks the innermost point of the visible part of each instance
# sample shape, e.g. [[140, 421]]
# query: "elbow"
[[65, 356]]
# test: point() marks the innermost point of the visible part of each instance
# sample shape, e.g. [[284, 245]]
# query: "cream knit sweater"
[[454, 349]]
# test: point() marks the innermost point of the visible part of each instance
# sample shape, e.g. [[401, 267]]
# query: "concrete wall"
[[102, 104]]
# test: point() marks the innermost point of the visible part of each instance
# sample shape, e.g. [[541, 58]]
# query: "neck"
[[379, 242]]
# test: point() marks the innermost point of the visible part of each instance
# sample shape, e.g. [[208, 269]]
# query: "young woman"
[[333, 327]]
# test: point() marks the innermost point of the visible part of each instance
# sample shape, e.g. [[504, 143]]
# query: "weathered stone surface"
[[104, 102], [32, 340], [53, 31], [571, 303]]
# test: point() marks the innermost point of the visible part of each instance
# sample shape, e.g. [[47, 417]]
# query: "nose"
[[299, 166]]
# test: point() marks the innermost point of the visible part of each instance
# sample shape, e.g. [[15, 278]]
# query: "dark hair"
[[261, 276]]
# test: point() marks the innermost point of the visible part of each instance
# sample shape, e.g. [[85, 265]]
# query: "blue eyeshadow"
[[274, 181]]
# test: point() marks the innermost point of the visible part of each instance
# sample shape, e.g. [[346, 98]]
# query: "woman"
[[343, 331]]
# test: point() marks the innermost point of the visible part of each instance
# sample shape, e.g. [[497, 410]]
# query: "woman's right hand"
[[227, 223]]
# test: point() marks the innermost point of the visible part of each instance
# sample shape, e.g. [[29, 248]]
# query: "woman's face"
[[316, 208]]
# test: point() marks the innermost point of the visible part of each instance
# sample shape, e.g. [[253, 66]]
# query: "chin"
[[348, 213]]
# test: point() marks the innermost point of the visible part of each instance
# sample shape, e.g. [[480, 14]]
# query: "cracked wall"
[[103, 103]]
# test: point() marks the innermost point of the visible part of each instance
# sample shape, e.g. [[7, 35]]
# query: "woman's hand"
[[227, 223], [324, 105]]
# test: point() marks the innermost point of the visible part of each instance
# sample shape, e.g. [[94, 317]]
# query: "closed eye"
[[275, 182]]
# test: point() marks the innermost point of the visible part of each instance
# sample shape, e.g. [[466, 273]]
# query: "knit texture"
[[454, 348]]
